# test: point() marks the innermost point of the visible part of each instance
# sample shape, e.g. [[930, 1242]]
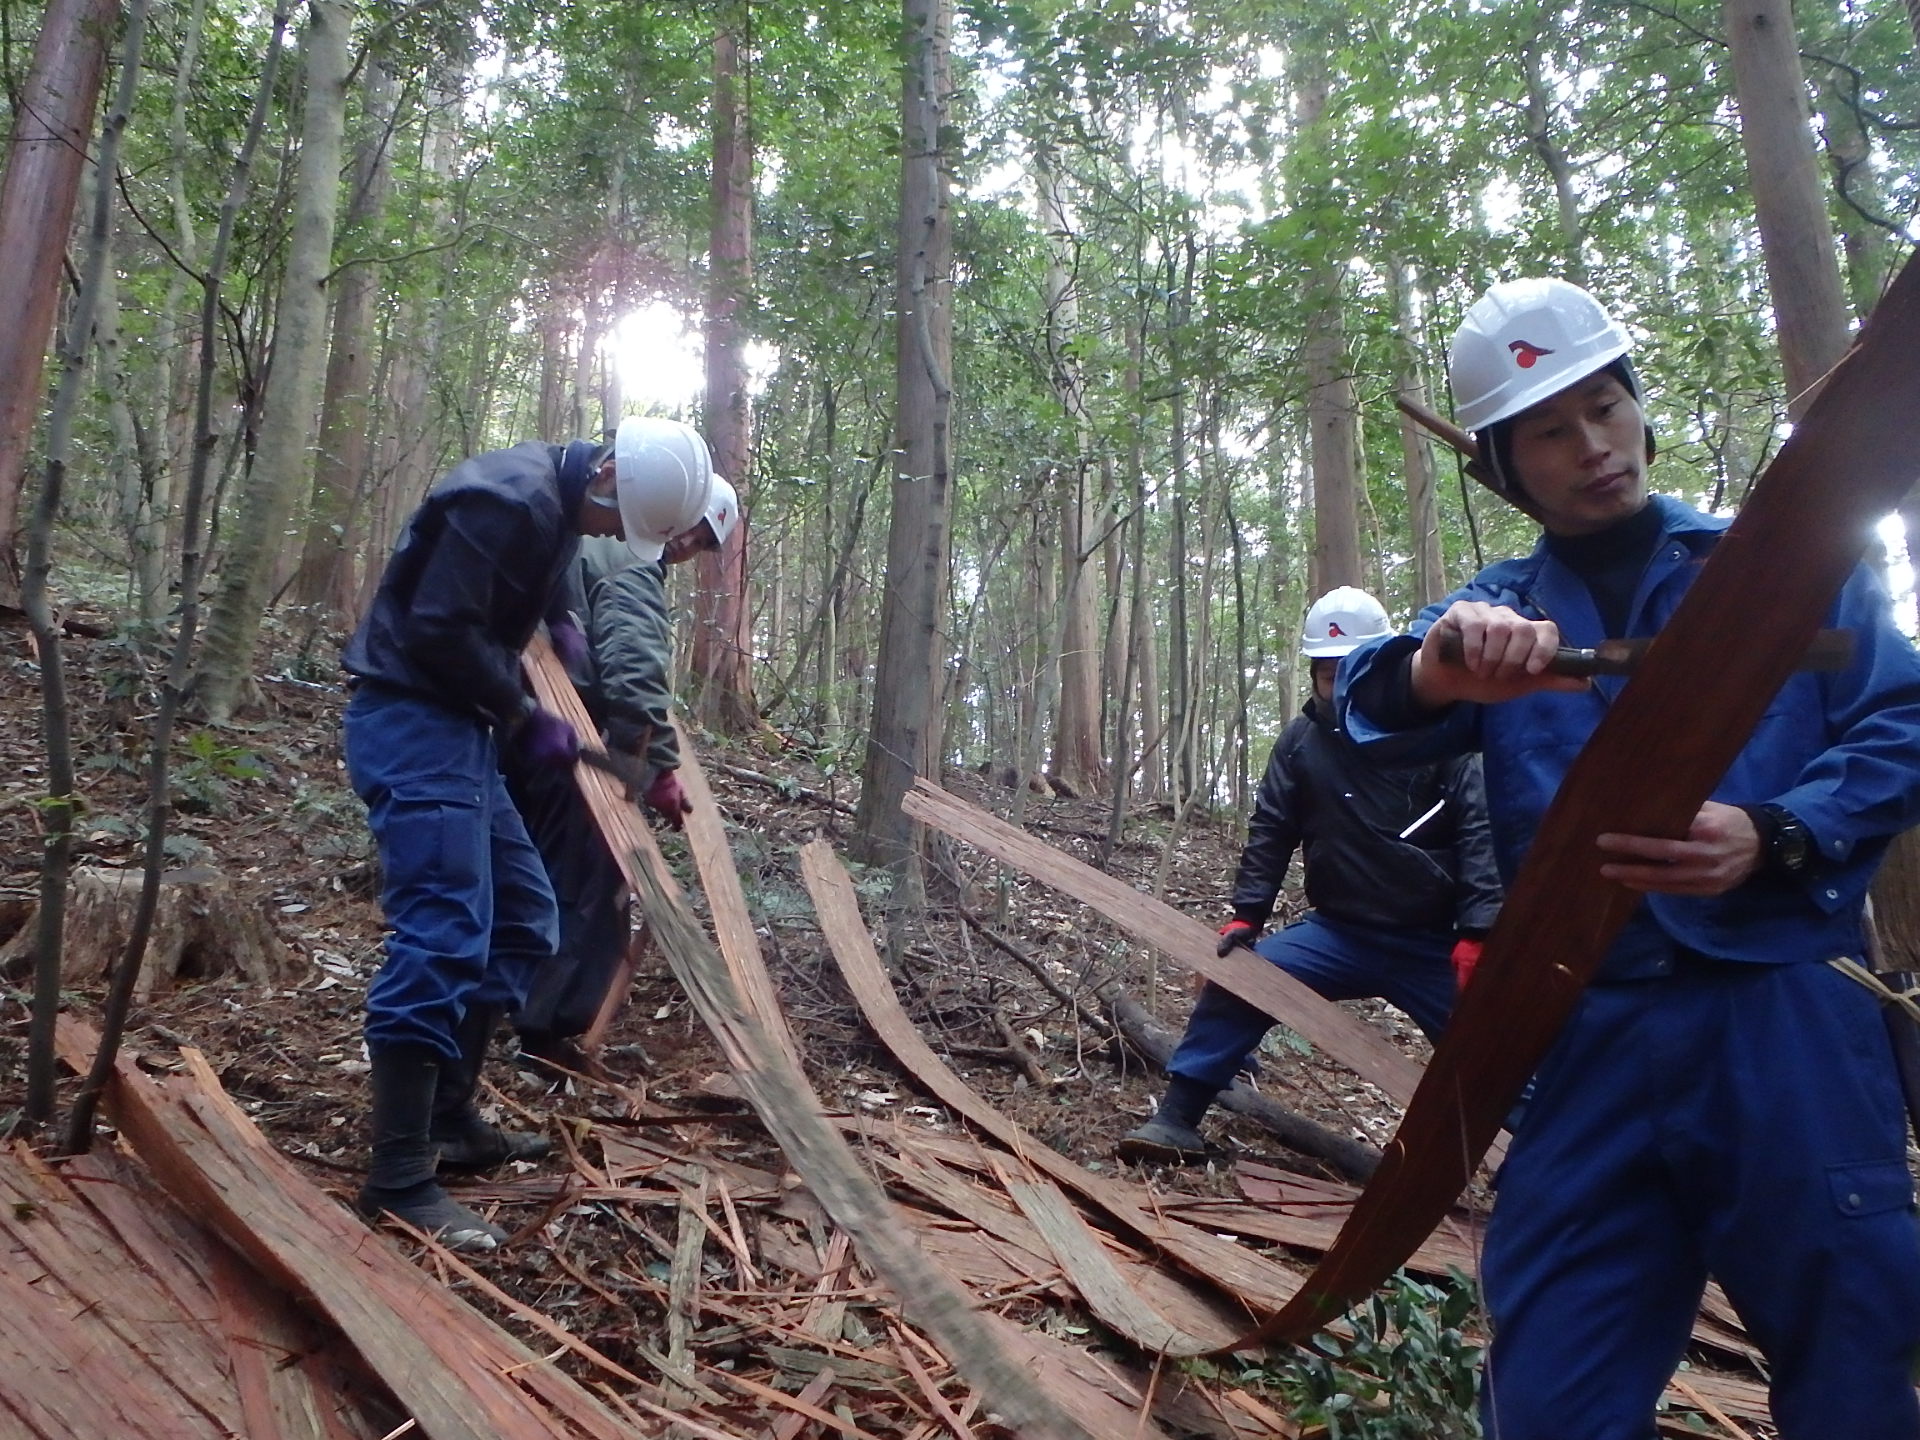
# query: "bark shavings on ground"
[[669, 1260]]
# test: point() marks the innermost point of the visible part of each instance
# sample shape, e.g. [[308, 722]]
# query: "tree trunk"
[[1803, 275], [119, 1001], [1539, 122], [908, 670], [1078, 765], [722, 639], [1331, 406], [1037, 690], [175, 336], [57, 807], [550, 420], [407, 452], [52, 126], [1330, 419], [340, 467], [134, 463], [1423, 510], [1869, 257], [286, 431]]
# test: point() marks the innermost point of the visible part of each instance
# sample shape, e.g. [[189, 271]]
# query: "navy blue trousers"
[[467, 900], [1739, 1121], [1409, 969]]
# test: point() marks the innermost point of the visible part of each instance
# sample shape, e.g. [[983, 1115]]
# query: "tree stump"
[[201, 929]]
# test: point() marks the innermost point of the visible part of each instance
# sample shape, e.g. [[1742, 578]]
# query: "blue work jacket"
[[1840, 750], [476, 571]]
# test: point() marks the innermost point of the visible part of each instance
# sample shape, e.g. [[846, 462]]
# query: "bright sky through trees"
[[660, 359]]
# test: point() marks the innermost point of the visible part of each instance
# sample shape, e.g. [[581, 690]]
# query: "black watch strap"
[[1786, 845]]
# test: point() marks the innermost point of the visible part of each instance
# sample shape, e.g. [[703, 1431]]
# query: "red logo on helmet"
[[1524, 353], [1334, 631]]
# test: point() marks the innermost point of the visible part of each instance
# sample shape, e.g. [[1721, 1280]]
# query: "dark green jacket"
[[630, 632]]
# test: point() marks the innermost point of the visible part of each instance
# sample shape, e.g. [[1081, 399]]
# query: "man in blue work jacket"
[[1399, 872], [437, 694], [1723, 1102]]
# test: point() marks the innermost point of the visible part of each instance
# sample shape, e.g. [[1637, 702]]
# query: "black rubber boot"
[[467, 1143], [400, 1179], [1172, 1136]]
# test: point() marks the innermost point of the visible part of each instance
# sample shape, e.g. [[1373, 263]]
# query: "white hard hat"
[[1340, 620], [663, 474], [723, 509], [1524, 341]]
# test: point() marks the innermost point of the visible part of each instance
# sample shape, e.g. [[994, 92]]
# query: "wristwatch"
[[1787, 842]]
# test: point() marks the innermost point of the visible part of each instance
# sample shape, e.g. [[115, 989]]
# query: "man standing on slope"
[[1399, 872], [437, 694], [1723, 1102]]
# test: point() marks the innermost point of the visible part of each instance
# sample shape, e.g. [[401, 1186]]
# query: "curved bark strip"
[[1647, 769]]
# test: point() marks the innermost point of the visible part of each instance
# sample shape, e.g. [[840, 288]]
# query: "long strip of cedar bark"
[[1250, 1278], [735, 998], [457, 1374], [1187, 942], [1655, 758], [1091, 1271]]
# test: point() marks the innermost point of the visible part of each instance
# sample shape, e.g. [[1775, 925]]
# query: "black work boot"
[[466, 1141], [1172, 1136], [400, 1177], [556, 1057]]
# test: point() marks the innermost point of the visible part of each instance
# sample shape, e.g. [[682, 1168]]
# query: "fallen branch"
[[1354, 1159], [1034, 968], [1021, 1052], [786, 789]]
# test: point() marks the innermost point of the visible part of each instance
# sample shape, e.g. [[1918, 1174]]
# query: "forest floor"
[[266, 803]]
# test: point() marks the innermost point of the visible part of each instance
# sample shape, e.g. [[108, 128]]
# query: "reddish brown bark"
[[47, 151]]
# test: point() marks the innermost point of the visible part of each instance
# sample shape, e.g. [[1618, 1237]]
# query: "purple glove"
[[569, 642], [548, 741]]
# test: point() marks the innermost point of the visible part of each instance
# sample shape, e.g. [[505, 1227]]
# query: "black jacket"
[[1347, 812], [475, 573]]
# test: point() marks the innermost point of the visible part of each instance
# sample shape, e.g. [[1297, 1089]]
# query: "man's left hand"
[[1721, 850]]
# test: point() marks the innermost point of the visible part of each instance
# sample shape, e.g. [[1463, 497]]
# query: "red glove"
[[1236, 932], [667, 796], [1466, 955]]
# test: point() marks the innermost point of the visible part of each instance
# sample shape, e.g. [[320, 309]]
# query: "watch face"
[[1791, 846]]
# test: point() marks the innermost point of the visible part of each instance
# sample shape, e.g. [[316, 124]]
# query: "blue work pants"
[[467, 900], [1409, 969], [1742, 1121]]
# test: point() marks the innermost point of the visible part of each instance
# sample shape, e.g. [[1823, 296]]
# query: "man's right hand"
[[1236, 933], [546, 740], [1486, 654]]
